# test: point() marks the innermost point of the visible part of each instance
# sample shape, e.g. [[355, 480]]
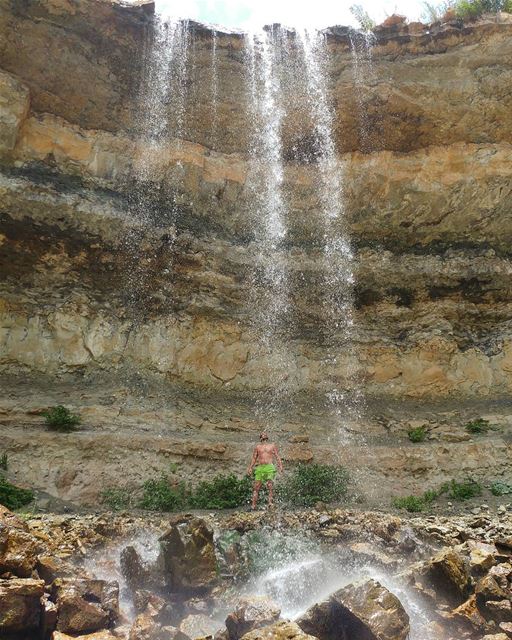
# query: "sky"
[[253, 14]]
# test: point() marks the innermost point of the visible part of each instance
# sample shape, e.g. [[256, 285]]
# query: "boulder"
[[49, 568], [196, 626], [283, 630], [449, 574], [18, 551], [85, 605], [481, 556], [146, 627], [365, 611], [249, 614], [132, 568], [499, 610], [49, 613], [487, 588], [20, 605], [188, 555]]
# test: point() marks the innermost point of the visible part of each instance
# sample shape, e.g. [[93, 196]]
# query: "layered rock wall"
[[105, 277]]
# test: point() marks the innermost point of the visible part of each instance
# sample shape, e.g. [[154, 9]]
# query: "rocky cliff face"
[[135, 301]]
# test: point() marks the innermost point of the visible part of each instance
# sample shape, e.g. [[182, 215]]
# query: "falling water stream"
[[305, 573]]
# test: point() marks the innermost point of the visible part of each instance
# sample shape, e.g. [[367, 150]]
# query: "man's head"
[[263, 436]]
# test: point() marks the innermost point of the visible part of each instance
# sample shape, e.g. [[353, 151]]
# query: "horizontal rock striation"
[[105, 277]]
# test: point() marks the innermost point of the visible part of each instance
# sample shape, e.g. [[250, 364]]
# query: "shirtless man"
[[263, 459]]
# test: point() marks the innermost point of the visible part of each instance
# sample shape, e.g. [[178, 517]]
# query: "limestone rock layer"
[[113, 285]]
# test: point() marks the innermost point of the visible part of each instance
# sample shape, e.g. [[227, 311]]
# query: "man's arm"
[[278, 459], [253, 461]]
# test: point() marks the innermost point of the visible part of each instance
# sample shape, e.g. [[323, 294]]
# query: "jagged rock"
[[188, 555], [249, 614], [18, 551], [366, 610], [49, 568], [20, 605], [496, 636], [283, 630], [507, 628], [49, 614], [370, 552], [499, 610], [14, 107], [133, 569], [85, 605], [481, 556], [468, 612], [196, 626], [501, 573], [486, 589], [449, 574], [146, 627]]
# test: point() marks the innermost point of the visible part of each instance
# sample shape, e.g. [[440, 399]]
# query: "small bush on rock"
[[14, 497], [161, 495], [312, 483], [61, 419], [419, 434], [478, 426], [500, 488], [413, 504], [117, 498], [463, 490], [223, 492]]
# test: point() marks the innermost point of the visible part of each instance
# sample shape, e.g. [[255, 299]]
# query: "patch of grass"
[[4, 462], [500, 488], [117, 498], [161, 495], [478, 426], [419, 434], [465, 9], [312, 483], [14, 497], [223, 492], [413, 504], [462, 490], [61, 419]]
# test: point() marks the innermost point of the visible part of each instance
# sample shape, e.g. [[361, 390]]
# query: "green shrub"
[[14, 497], [500, 488], [4, 462], [418, 434], [223, 492], [414, 504], [312, 483], [463, 490], [466, 9], [61, 419], [117, 498], [478, 426], [161, 495]]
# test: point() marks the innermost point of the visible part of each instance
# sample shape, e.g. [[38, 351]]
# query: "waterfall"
[[268, 209], [214, 91], [361, 45], [338, 263]]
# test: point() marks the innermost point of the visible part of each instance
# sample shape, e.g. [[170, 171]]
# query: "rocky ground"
[[368, 575]]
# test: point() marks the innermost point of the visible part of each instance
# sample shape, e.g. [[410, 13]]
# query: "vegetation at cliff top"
[[306, 485], [14, 497], [464, 9], [61, 419]]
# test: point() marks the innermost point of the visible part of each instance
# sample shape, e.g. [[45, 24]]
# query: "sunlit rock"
[[20, 605], [85, 605], [188, 555], [364, 610], [284, 630], [249, 614]]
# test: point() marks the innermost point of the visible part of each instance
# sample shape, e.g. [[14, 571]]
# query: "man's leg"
[[270, 487], [255, 494]]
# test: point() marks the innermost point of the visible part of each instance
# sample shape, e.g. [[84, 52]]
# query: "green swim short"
[[264, 472]]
